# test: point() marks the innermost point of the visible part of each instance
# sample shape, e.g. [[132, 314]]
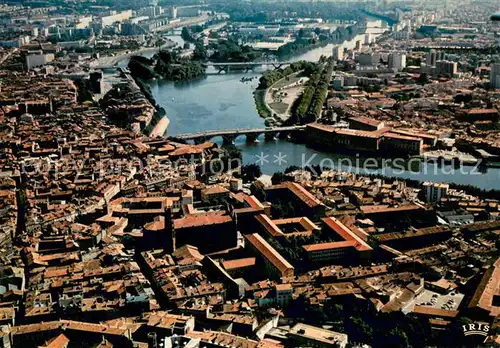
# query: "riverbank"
[[160, 128], [222, 101], [339, 36], [280, 97], [259, 96], [275, 79], [159, 120], [112, 61]]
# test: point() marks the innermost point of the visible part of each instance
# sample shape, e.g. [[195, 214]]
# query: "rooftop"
[[318, 334], [269, 252]]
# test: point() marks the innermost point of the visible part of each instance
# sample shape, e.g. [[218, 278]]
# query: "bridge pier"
[[283, 135], [228, 139], [200, 140], [270, 136], [224, 68], [252, 138], [251, 134]]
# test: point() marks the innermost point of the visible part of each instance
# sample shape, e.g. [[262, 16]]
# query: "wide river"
[[224, 102]]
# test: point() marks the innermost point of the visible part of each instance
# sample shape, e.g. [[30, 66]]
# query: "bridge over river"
[[228, 136], [110, 62], [227, 66]]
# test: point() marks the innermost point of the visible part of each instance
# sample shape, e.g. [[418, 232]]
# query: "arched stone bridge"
[[226, 66], [228, 136]]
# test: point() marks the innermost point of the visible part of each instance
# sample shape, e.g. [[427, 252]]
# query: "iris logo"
[[476, 329]]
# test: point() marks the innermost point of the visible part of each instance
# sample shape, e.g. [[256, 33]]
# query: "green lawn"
[[279, 108]]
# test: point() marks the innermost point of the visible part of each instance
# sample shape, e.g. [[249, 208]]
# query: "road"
[[108, 62], [188, 22], [7, 56]]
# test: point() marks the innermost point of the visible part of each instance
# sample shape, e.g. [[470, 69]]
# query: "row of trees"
[[171, 66], [308, 106], [224, 50], [269, 12], [363, 324], [300, 45], [166, 65], [142, 67], [320, 92], [304, 101], [186, 33], [308, 39], [231, 51], [270, 77]]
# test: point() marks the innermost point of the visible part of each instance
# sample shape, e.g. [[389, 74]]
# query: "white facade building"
[[397, 61], [435, 191], [495, 76]]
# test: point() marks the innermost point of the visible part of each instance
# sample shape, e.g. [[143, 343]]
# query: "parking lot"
[[433, 299]]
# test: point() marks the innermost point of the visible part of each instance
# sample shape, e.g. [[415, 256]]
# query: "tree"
[[358, 330], [296, 308], [291, 169], [277, 178], [334, 310], [199, 53], [395, 338], [423, 79], [250, 172], [258, 192], [186, 35], [315, 315]]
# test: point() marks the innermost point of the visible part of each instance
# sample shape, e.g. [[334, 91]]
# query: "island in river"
[[166, 65]]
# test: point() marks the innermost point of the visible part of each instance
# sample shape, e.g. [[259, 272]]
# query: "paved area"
[[433, 299], [280, 97]]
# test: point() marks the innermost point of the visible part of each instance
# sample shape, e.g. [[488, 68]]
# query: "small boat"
[[173, 98]]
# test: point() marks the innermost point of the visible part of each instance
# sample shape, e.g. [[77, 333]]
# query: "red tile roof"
[[487, 290], [205, 219], [239, 263], [270, 254]]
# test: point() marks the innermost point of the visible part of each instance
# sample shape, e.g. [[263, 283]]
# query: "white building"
[[368, 39], [401, 35], [350, 80], [368, 59], [435, 191], [38, 59], [171, 12], [446, 67], [338, 52], [188, 11], [495, 76], [431, 58], [397, 61], [302, 335]]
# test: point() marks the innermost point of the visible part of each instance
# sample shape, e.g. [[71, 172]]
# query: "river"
[[224, 102]]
